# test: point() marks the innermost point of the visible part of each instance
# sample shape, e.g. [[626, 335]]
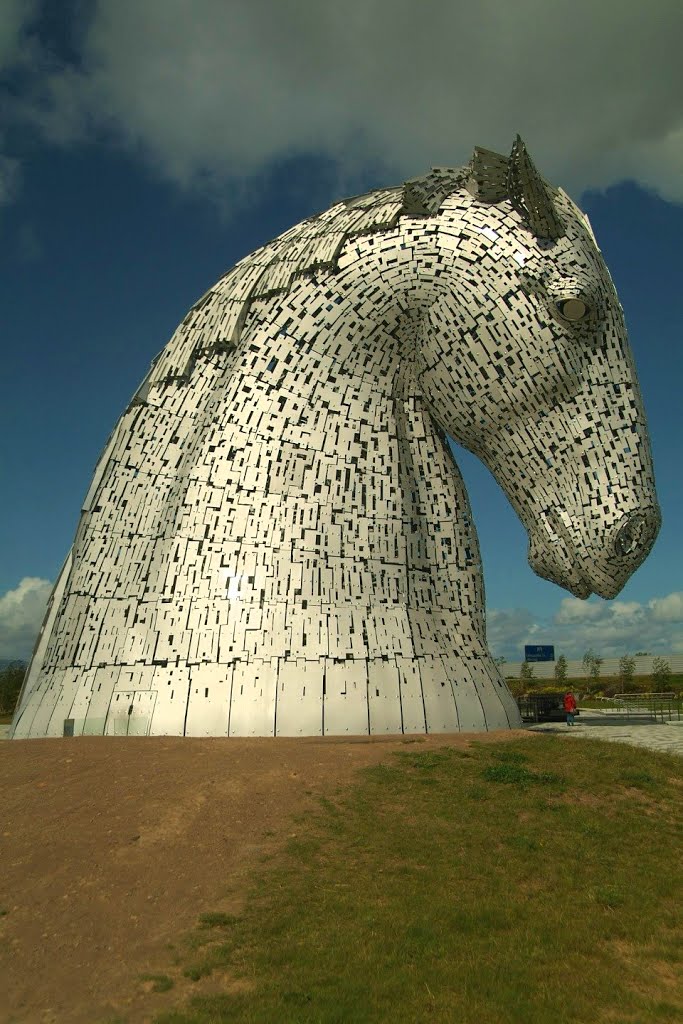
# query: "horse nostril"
[[627, 539], [634, 534]]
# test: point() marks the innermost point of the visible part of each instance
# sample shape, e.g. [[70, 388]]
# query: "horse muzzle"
[[602, 565]]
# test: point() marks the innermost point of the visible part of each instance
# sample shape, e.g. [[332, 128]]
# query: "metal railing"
[[539, 707], [660, 707]]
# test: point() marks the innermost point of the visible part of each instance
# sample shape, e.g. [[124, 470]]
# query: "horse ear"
[[530, 196], [487, 179]]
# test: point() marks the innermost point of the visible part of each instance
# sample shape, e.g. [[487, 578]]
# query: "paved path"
[[607, 725], [616, 727]]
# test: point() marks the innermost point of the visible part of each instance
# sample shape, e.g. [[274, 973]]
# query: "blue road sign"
[[537, 652]]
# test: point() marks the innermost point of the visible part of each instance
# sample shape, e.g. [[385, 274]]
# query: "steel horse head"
[[277, 540]]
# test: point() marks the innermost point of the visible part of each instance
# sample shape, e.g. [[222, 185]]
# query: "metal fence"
[[660, 707], [541, 707], [655, 707]]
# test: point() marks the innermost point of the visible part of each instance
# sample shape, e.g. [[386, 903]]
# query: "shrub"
[[627, 666], [11, 679], [592, 663], [517, 687], [661, 673], [561, 669]]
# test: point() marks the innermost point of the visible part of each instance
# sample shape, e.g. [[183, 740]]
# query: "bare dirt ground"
[[112, 847]]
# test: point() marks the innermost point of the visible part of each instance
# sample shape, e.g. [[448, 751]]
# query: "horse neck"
[[442, 543], [337, 450]]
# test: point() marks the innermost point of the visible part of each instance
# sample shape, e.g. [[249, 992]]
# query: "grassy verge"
[[596, 702], [604, 686], [535, 881]]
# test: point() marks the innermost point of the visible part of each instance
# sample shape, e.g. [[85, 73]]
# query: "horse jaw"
[[601, 568], [550, 565]]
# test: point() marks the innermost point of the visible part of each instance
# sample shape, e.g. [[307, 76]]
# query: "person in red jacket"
[[569, 707]]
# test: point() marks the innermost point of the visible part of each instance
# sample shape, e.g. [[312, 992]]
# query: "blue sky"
[[145, 147]]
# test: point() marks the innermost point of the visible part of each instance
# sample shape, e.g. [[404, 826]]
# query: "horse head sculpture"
[[550, 402], [277, 540]]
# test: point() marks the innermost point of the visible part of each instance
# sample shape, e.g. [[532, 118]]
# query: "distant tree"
[[592, 663], [642, 654], [661, 673], [11, 679], [527, 671], [499, 661], [561, 669], [627, 667]]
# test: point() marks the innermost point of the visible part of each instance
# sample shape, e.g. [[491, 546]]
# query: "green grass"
[[534, 881], [583, 685], [602, 705]]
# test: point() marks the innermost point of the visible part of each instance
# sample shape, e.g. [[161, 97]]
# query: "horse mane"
[[214, 323]]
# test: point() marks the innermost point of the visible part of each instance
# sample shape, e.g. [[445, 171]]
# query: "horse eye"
[[572, 309]]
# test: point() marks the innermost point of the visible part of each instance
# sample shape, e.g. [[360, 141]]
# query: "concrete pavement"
[[618, 728]]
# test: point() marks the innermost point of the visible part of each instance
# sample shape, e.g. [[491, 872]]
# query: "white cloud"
[[211, 93], [667, 609], [611, 628], [504, 627], [572, 610], [21, 616]]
